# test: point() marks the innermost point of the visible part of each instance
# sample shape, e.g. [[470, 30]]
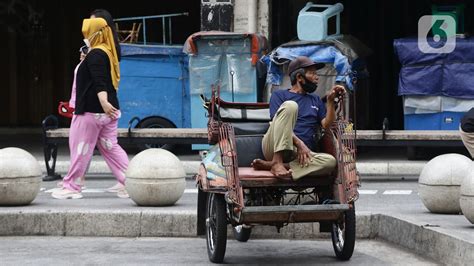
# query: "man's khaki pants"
[[279, 137], [468, 140]]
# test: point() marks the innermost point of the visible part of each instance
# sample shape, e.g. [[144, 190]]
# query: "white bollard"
[[20, 177], [440, 180], [155, 177], [467, 196]]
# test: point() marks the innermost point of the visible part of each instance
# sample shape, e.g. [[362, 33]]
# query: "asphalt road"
[[191, 251]]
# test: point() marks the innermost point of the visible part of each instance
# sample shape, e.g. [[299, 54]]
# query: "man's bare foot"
[[259, 164], [279, 170]]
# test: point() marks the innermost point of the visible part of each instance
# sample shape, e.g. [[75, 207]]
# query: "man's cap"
[[303, 62]]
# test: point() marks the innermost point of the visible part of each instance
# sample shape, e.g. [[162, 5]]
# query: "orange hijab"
[[100, 36]]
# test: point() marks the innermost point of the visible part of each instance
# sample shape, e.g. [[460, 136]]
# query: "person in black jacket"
[[97, 110], [467, 131], [97, 13]]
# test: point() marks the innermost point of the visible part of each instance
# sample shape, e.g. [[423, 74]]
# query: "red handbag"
[[65, 110]]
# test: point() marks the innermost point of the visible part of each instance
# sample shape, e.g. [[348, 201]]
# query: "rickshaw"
[[231, 192]]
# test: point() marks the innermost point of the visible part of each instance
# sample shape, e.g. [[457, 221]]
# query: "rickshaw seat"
[[250, 128], [248, 148]]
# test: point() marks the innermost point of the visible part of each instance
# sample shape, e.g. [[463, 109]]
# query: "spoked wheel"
[[343, 235], [242, 233], [216, 227]]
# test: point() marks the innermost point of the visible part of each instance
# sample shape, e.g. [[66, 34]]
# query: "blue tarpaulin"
[[436, 74], [324, 52]]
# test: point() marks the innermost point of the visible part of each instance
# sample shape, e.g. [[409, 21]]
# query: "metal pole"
[[144, 18], [169, 27], [144, 32], [164, 30], [149, 17]]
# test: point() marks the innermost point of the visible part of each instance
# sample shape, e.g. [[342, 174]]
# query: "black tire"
[[216, 227], [155, 122], [241, 233], [343, 235]]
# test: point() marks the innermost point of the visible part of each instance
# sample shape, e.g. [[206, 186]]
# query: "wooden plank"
[[268, 218], [185, 133], [433, 135], [295, 208], [201, 133]]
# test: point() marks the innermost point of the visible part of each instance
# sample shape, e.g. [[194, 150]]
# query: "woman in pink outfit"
[[96, 110]]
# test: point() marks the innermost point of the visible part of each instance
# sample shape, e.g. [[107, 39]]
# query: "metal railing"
[[163, 22]]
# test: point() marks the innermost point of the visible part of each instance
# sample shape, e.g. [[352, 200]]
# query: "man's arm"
[[336, 91], [304, 153]]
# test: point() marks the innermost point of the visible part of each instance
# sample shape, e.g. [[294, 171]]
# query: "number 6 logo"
[[444, 34]]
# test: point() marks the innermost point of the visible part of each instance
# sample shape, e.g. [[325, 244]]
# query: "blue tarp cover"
[[324, 53], [436, 74]]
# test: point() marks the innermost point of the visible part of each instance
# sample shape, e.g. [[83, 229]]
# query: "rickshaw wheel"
[[216, 227], [241, 233], [343, 235]]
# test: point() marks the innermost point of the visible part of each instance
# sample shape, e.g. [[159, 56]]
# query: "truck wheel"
[[343, 235], [242, 233], [155, 122], [216, 227]]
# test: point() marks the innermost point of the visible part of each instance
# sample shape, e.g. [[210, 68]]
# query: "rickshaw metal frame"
[[341, 186]]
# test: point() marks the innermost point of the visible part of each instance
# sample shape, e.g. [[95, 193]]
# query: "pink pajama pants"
[[86, 130]]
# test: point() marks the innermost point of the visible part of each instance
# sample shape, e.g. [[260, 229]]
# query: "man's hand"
[[337, 91], [304, 154]]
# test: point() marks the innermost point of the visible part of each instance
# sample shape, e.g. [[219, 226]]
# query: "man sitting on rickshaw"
[[296, 113]]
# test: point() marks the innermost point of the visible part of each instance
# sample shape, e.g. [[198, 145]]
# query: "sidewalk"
[[448, 239]]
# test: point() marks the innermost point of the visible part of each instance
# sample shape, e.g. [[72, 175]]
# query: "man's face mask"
[[308, 86]]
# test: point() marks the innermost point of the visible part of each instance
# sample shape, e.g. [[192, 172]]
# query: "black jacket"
[[467, 121], [93, 76]]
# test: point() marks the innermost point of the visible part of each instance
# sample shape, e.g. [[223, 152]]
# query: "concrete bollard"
[[467, 196], [20, 177], [440, 180], [155, 177]]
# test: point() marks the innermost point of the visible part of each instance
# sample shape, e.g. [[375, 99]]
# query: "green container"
[[455, 11]]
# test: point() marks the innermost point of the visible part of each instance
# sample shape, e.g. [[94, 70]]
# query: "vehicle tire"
[[216, 227], [343, 235], [155, 122], [241, 233]]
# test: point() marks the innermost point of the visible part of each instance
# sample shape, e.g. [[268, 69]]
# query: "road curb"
[[191, 167], [423, 240]]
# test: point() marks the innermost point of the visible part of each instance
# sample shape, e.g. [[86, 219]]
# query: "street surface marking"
[[397, 192], [100, 190], [368, 192], [93, 190], [52, 190], [195, 191], [87, 190]]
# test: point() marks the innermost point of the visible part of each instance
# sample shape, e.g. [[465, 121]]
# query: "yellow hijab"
[[100, 36]]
